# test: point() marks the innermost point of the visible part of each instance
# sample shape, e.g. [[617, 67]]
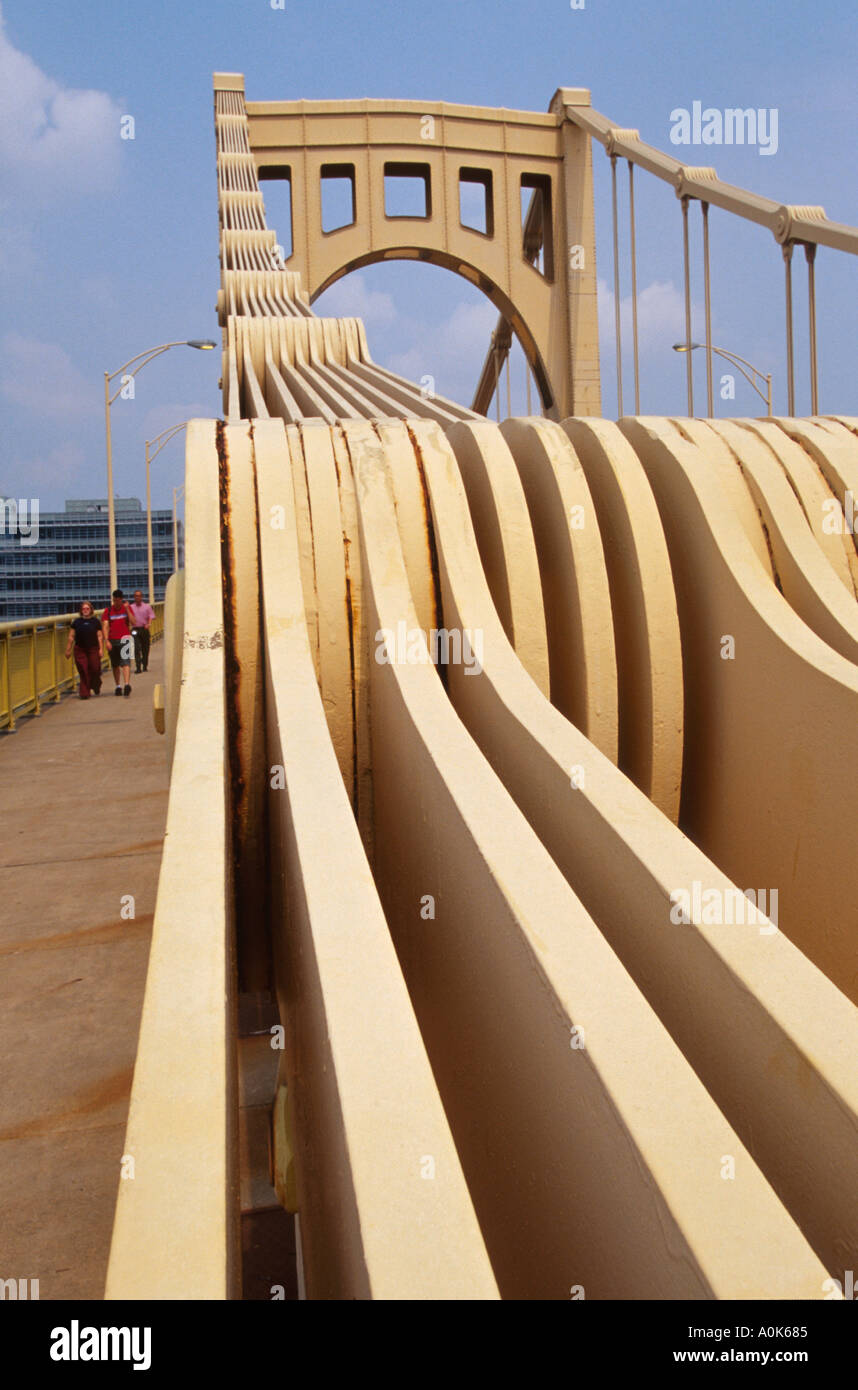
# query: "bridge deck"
[[81, 825]]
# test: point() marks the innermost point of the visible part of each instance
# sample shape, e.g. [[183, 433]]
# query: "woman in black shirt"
[[85, 634]]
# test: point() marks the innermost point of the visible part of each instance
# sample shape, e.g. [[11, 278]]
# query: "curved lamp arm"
[[163, 439], [740, 363], [144, 358]]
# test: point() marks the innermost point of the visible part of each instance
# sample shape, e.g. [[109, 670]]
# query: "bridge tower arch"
[[538, 269], [510, 320]]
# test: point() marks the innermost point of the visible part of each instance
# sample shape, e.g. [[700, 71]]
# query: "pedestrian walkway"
[[82, 815]]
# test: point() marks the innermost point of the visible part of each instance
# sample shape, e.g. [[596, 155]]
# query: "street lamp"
[[161, 439], [142, 358], [740, 363]]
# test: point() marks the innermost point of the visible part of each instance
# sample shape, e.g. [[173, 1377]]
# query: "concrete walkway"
[[82, 815]]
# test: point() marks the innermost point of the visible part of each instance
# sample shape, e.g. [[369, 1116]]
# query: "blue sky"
[[109, 246]]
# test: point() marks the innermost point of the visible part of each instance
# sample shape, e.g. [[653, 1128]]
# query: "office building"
[[50, 561]]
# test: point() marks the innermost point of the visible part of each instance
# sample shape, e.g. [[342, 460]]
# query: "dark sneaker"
[[117, 691], [128, 690]]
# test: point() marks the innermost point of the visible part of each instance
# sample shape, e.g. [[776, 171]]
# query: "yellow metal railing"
[[33, 667]]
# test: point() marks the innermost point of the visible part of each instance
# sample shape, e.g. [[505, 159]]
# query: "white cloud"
[[661, 316], [350, 297], [41, 378], [452, 351], [54, 140]]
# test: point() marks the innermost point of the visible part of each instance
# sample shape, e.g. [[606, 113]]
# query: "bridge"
[[511, 768]]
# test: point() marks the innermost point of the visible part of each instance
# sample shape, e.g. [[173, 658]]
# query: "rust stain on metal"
[[352, 668], [232, 665], [744, 472], [430, 542], [99, 1095], [350, 621], [313, 629], [87, 936]]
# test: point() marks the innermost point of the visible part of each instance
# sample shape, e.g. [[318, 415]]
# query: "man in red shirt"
[[117, 624], [142, 614]]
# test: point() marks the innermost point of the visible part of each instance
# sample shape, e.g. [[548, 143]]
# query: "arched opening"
[[423, 321]]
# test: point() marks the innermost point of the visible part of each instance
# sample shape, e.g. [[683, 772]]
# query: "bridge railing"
[[34, 670]]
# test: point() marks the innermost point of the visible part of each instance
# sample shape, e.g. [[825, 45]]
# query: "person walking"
[[85, 637], [116, 625], [142, 614]]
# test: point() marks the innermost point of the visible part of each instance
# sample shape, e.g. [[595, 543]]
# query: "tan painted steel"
[[813, 492], [444, 832], [643, 606], [532, 954], [805, 577], [765, 804], [174, 631], [722, 465], [505, 538], [331, 603], [574, 578], [384, 1207], [176, 1229], [836, 455], [553, 312], [508, 719], [627, 862], [246, 726], [786, 223]]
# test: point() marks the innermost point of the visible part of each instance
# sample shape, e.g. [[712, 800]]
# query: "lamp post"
[[740, 363], [161, 439], [141, 359], [176, 491]]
